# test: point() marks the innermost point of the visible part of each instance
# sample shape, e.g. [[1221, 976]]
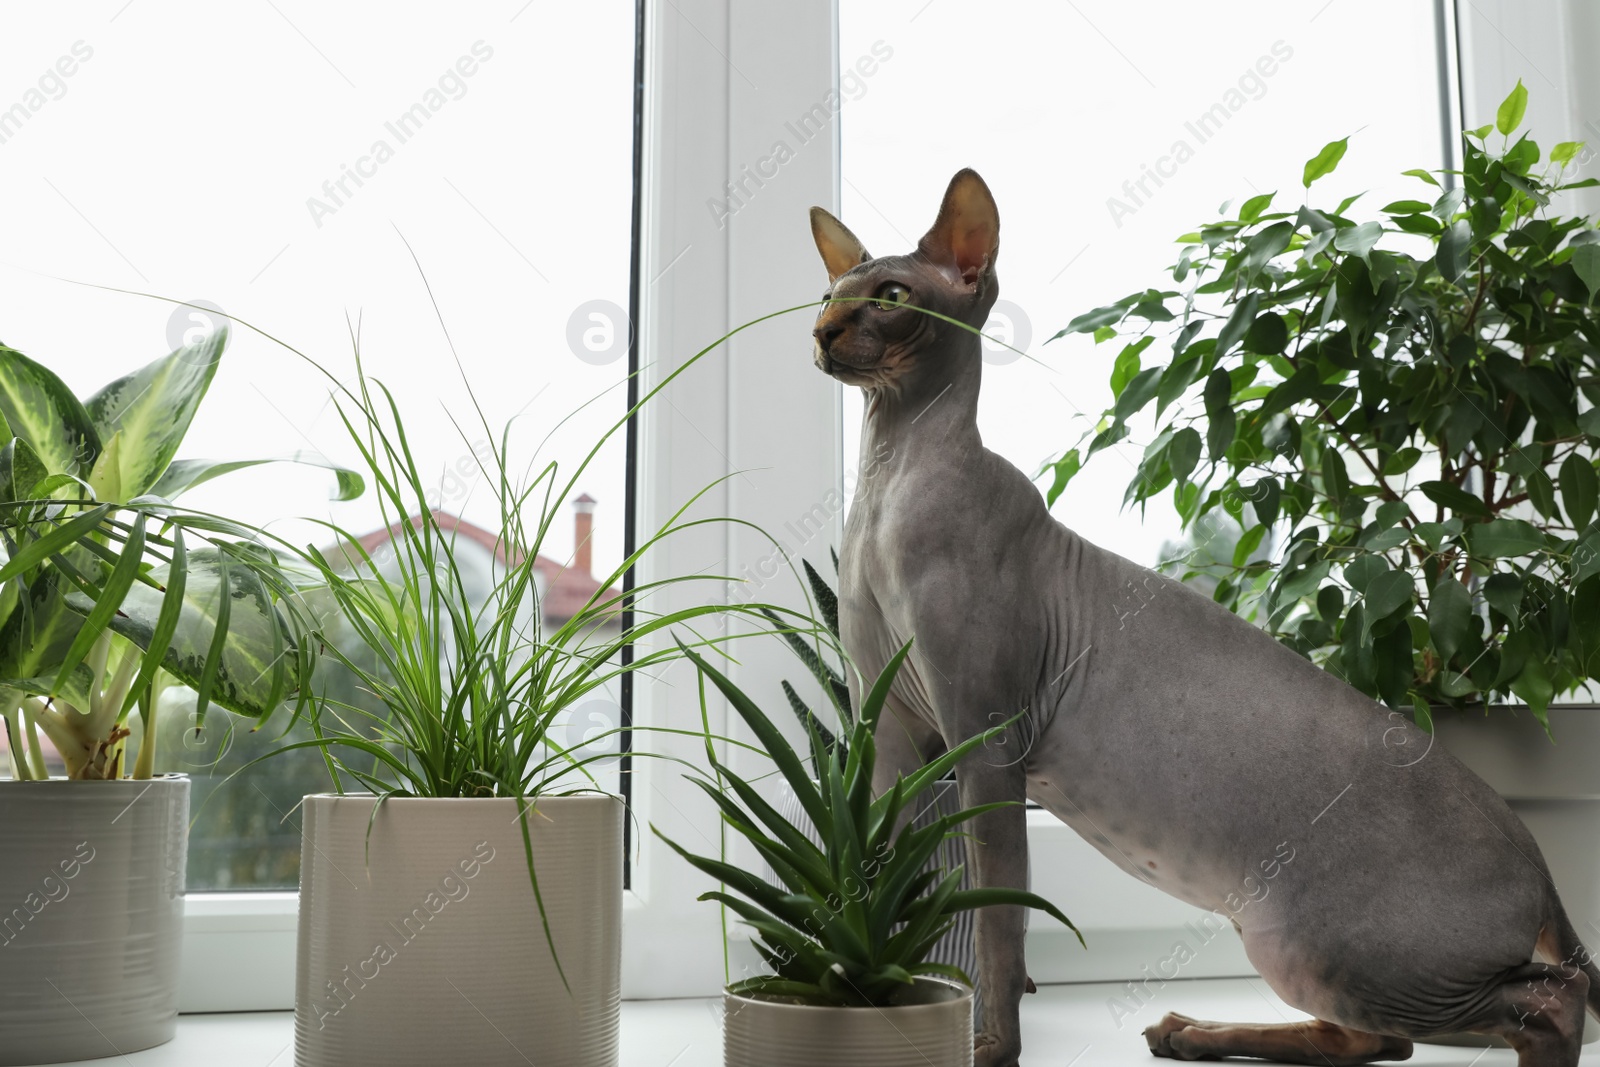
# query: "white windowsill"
[[1062, 1024]]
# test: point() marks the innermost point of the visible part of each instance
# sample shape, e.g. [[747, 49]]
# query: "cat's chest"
[[879, 565]]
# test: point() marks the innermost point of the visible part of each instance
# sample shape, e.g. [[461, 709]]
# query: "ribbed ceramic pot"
[[91, 916], [423, 944], [932, 1028]]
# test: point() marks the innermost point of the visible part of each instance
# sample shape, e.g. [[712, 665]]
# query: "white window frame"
[[720, 82]]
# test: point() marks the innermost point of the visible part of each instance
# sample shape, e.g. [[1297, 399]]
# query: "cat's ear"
[[840, 248], [965, 238]]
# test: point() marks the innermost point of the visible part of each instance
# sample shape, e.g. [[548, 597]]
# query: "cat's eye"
[[890, 295]]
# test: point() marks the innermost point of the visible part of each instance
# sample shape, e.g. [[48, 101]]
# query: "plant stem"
[[66, 731], [35, 752], [144, 764]]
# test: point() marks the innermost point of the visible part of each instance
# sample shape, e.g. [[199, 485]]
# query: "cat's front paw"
[[1167, 1039], [991, 1050]]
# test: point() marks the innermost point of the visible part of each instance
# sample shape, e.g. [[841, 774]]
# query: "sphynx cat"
[[1186, 744]]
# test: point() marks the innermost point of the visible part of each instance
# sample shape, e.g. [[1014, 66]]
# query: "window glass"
[[452, 187], [1106, 130]]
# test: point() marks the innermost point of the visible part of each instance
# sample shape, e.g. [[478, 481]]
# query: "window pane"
[[343, 175], [1106, 130]]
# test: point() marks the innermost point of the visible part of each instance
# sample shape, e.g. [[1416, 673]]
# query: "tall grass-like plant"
[[471, 691], [858, 916]]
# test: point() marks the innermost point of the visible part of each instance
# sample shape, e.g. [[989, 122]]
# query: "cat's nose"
[[825, 335]]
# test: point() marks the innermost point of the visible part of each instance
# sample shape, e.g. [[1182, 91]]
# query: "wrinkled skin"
[[1378, 885]]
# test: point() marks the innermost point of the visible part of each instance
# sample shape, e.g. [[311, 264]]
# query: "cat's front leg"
[[998, 849]]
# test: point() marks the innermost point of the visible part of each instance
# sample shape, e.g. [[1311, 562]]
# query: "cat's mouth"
[[848, 373], [882, 371]]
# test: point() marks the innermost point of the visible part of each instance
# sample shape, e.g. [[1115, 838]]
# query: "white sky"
[[178, 160]]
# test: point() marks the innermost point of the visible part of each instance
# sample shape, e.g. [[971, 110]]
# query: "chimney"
[[582, 533]]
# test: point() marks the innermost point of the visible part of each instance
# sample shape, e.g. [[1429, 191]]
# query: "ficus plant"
[[110, 590], [1402, 404]]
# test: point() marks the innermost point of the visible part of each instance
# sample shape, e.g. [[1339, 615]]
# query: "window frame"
[[702, 121]]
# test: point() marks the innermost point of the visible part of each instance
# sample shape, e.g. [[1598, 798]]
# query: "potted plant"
[[479, 865], [848, 935], [957, 947], [1407, 406], [110, 592]]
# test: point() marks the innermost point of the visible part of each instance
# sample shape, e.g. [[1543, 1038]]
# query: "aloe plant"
[[861, 913], [110, 590], [829, 677]]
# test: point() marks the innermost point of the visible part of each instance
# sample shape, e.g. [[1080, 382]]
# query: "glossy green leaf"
[[1358, 240], [1501, 538], [1268, 335], [1565, 151], [1509, 115], [1449, 614], [1454, 498], [1579, 489], [1251, 210], [152, 409], [1127, 363], [1248, 543], [1386, 594], [1219, 414], [1503, 590], [1263, 247], [1361, 571], [1138, 392], [42, 411], [20, 471], [1455, 248], [1265, 496], [1335, 479], [1240, 321], [1534, 687], [1586, 264], [252, 664], [1323, 163], [1586, 558], [1184, 453], [185, 474], [1091, 321], [1065, 469]]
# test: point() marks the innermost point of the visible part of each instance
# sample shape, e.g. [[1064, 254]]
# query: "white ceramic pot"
[[1553, 787], [91, 916], [423, 944], [931, 1027]]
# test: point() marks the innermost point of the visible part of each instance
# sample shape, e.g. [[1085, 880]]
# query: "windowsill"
[[1066, 1023]]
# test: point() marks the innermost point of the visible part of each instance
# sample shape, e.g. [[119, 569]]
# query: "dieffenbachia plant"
[[109, 590], [1406, 405]]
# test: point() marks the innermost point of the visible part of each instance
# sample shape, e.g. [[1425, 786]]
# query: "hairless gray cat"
[[1184, 743]]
